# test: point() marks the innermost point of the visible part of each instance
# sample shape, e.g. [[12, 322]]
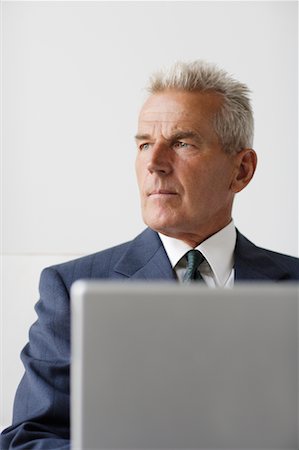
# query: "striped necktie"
[[194, 259]]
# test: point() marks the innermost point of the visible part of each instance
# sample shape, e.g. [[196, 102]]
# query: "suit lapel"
[[255, 263], [145, 259]]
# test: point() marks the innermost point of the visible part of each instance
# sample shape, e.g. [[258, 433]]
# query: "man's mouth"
[[161, 192]]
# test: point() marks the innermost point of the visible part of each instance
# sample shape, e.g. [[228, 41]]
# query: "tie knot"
[[194, 259]]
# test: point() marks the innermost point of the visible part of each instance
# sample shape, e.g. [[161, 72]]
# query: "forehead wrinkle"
[[164, 116], [168, 130]]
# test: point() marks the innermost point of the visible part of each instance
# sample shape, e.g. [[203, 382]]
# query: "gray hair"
[[233, 123]]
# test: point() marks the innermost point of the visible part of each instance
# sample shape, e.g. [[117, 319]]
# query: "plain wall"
[[72, 82]]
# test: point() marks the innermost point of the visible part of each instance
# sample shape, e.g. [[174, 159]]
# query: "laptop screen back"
[[159, 366]]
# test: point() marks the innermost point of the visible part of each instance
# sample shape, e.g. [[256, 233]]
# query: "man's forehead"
[[168, 127], [181, 107], [152, 121], [153, 115]]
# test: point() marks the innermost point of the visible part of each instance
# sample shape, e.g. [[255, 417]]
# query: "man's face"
[[184, 176]]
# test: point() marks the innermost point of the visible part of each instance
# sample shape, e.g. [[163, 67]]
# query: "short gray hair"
[[233, 123]]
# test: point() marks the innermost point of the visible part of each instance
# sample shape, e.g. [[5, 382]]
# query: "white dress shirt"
[[218, 250]]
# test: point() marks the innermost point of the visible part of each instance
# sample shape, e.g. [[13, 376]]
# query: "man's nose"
[[160, 159]]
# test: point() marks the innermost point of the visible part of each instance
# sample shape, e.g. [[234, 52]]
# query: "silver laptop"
[[166, 366]]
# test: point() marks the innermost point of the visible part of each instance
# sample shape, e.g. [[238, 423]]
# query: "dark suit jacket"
[[41, 409]]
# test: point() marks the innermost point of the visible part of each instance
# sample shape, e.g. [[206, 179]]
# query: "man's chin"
[[167, 227]]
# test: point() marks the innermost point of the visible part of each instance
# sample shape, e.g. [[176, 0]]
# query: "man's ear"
[[245, 165]]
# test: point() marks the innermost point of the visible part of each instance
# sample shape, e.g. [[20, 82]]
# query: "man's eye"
[[181, 144], [144, 146]]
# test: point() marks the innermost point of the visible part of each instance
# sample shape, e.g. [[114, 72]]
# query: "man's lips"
[[161, 192]]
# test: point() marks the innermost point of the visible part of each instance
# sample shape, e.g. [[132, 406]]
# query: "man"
[[194, 153]]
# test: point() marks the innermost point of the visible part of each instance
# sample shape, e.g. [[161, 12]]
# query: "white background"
[[72, 83]]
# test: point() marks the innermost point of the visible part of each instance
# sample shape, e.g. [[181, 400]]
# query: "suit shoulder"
[[287, 260], [267, 258], [97, 265], [281, 257]]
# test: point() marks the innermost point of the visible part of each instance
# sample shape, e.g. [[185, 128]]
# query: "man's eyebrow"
[[185, 134], [142, 137]]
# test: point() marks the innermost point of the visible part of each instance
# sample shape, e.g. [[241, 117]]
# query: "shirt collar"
[[218, 250]]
